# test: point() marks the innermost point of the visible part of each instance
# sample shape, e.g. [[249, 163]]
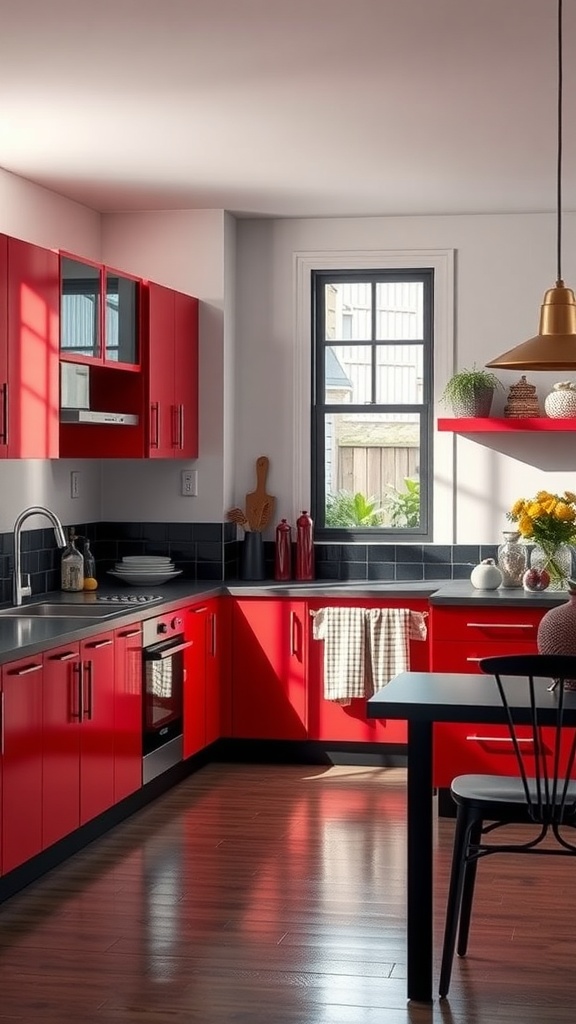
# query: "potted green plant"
[[470, 392]]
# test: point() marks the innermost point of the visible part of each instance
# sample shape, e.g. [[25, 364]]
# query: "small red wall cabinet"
[[21, 762], [29, 326], [461, 637], [127, 711], [329, 720], [172, 373], [269, 639]]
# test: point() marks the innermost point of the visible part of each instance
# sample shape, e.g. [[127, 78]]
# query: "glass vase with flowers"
[[549, 522]]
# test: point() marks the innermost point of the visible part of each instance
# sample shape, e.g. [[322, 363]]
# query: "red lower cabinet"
[[194, 725], [461, 637], [62, 708], [97, 732], [127, 711], [269, 640], [218, 703], [21, 762], [331, 721]]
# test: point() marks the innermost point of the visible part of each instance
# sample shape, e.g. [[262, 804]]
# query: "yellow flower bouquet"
[[549, 521]]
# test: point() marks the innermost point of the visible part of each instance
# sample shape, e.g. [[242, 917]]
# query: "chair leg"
[[465, 821], [468, 891]]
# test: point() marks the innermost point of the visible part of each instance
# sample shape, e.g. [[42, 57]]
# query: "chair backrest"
[[545, 752]]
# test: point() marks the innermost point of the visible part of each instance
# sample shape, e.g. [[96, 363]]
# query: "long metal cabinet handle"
[[4, 434], [88, 708], [181, 427], [96, 644], [501, 625], [498, 739], [132, 633], [66, 656], [77, 669], [155, 423], [292, 633]]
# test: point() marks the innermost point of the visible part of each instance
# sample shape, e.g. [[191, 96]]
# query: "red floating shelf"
[[491, 424]]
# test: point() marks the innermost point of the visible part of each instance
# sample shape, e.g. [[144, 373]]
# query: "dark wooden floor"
[[272, 895]]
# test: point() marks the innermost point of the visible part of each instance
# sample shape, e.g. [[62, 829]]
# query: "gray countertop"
[[24, 636]]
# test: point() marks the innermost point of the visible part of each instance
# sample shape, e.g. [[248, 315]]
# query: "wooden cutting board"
[[259, 506]]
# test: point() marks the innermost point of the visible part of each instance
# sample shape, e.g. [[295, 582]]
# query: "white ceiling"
[[289, 107]]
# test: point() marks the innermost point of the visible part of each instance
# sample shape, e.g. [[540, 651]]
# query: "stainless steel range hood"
[[75, 399], [89, 416]]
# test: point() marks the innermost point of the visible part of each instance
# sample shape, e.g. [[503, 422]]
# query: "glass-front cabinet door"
[[122, 318], [99, 314], [80, 309]]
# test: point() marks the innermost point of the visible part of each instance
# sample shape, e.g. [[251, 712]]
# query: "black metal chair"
[[542, 794]]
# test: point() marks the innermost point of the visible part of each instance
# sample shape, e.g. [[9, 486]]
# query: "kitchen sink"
[[58, 610]]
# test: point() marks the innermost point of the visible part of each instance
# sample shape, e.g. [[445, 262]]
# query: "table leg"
[[420, 861]]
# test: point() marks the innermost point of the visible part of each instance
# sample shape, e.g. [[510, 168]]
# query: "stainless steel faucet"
[[21, 584]]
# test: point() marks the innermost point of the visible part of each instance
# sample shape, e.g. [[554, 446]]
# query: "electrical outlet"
[[189, 483], [75, 483]]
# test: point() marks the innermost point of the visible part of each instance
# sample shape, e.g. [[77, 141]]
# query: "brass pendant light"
[[554, 347]]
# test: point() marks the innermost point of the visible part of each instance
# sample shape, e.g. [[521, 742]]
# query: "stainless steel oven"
[[163, 693]]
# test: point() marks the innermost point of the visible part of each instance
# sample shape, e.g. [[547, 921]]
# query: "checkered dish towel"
[[346, 662], [364, 648], [390, 631]]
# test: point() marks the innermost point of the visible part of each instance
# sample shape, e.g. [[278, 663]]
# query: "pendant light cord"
[[559, 156]]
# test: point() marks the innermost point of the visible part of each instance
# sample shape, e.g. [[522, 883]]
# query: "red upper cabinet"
[[172, 372], [29, 330]]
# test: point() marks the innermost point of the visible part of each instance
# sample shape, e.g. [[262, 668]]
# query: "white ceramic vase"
[[561, 402]]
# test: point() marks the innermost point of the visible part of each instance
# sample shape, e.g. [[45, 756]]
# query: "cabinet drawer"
[[479, 749], [494, 624], [464, 657]]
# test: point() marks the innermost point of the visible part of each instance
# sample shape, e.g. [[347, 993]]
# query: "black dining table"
[[424, 698]]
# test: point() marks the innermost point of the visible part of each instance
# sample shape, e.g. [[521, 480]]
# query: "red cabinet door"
[[21, 761], [160, 370], [3, 346], [127, 711], [269, 669], [97, 731], [33, 342], [329, 720], [194, 725], [61, 705], [185, 376], [218, 651]]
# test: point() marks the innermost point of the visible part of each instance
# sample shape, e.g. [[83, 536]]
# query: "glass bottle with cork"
[[72, 565]]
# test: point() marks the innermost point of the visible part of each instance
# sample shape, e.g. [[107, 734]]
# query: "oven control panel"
[[162, 627]]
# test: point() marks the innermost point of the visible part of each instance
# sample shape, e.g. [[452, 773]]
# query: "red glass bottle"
[[283, 558], [304, 547]]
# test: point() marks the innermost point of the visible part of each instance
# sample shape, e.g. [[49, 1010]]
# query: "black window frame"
[[320, 408]]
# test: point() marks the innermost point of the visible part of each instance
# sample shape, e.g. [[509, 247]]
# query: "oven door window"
[[163, 675]]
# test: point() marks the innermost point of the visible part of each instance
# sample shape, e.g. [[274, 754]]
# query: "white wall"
[[183, 250], [504, 264]]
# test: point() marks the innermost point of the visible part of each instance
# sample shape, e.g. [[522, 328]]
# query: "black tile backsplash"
[[211, 551]]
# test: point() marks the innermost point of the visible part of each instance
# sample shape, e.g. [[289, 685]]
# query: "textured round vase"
[[512, 560], [561, 402], [557, 630], [556, 561]]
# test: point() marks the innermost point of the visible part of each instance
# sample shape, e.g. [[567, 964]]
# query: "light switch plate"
[[189, 483]]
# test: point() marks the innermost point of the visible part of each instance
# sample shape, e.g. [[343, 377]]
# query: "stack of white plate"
[[143, 569]]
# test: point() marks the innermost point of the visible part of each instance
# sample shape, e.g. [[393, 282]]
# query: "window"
[[372, 404]]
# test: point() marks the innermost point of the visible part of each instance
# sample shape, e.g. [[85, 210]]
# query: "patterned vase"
[[557, 630], [557, 561], [512, 560]]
